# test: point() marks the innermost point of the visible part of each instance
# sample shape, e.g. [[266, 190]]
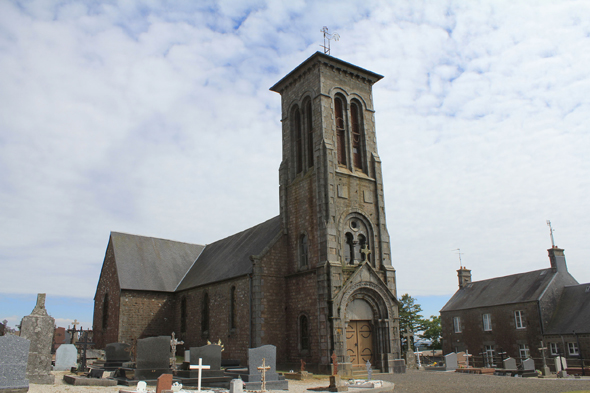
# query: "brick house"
[[314, 280], [513, 314]]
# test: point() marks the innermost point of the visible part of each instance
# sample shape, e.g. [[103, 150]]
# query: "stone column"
[[38, 328]]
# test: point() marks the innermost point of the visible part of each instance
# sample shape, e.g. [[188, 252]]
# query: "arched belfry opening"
[[357, 240]]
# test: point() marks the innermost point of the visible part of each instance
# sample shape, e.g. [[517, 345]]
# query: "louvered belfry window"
[[340, 131]]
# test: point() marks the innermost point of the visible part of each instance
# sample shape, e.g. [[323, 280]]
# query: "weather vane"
[[551, 230], [460, 253], [328, 37]]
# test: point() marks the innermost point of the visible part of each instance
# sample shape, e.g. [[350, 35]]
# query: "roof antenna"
[[328, 36], [551, 230], [460, 253]]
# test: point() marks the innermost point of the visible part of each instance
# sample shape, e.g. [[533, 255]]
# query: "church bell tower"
[[341, 286]]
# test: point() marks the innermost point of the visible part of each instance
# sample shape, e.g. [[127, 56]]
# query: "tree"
[[410, 319], [432, 331]]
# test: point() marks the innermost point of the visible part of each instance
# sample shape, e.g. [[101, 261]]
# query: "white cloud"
[[156, 119]]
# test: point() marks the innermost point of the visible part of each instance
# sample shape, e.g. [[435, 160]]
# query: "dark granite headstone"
[[14, 353], [211, 355], [117, 353], [38, 328], [153, 357], [399, 366], [254, 377]]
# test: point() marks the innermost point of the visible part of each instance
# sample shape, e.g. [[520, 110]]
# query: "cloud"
[[156, 119]]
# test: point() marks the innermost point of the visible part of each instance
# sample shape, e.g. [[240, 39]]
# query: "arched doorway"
[[359, 332]]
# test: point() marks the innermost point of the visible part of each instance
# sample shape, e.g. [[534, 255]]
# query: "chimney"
[[464, 276], [557, 259]]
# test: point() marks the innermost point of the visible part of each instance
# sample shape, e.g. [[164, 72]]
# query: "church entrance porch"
[[359, 342]]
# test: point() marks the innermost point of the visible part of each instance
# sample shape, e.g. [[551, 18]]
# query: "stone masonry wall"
[[236, 341], [107, 283], [145, 314], [504, 335]]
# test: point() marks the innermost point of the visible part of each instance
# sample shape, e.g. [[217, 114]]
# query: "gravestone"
[[14, 353], [164, 383], [117, 353], [153, 357], [528, 365], [254, 376], [38, 328], [66, 357], [509, 364], [450, 361], [236, 386], [399, 366], [210, 355], [560, 366]]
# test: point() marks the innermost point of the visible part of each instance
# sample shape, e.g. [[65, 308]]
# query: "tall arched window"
[[357, 135], [183, 315], [205, 315], [304, 333], [298, 140], [309, 126], [105, 311], [303, 250], [340, 130], [232, 308]]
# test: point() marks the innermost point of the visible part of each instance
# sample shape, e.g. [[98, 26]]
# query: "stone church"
[[315, 280]]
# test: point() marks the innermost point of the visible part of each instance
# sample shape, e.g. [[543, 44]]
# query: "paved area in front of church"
[[412, 382]]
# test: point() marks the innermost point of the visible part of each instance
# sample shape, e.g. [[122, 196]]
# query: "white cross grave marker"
[[467, 356], [199, 367]]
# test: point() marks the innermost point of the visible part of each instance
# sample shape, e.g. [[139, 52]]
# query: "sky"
[[155, 118]]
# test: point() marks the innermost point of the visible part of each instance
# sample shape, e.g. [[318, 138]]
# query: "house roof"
[[151, 264], [516, 288], [230, 257], [572, 313]]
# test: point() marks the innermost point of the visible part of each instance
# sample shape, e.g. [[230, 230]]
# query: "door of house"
[[359, 342]]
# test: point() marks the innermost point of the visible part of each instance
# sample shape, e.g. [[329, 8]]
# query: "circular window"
[[354, 224]]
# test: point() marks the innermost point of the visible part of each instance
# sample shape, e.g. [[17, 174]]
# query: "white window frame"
[[524, 351], [519, 319], [457, 324], [554, 348], [572, 349], [487, 322]]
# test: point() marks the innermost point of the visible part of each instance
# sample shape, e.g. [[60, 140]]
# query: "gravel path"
[[448, 382], [412, 382]]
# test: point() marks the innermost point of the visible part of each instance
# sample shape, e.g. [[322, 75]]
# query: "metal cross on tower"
[[551, 230], [328, 37]]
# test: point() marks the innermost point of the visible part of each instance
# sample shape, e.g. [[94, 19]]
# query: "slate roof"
[[572, 312], [230, 257], [516, 288], [151, 264]]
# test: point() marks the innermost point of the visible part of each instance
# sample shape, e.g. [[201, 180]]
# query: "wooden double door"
[[359, 342]]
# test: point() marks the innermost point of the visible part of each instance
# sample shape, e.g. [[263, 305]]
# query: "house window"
[[572, 349], [304, 332], [487, 322], [183, 315], [457, 324], [205, 315], [105, 311], [523, 351], [519, 319], [340, 131], [309, 126], [232, 308], [553, 347], [303, 250]]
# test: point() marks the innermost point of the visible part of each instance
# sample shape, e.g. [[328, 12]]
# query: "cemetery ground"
[[412, 381]]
